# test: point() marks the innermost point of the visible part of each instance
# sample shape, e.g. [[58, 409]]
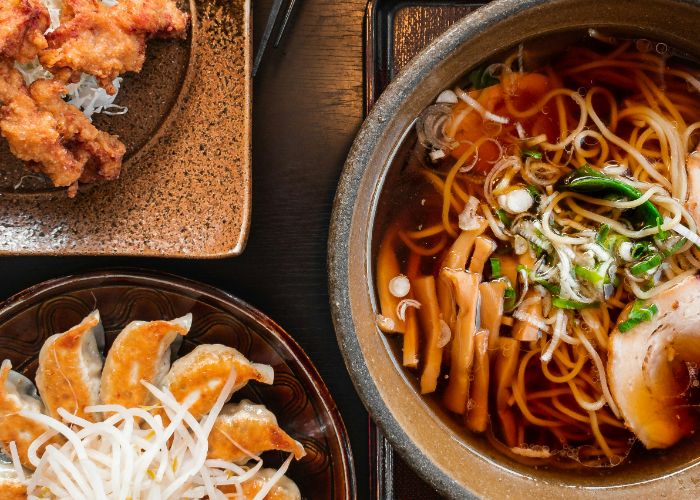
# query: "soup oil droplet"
[[661, 48]]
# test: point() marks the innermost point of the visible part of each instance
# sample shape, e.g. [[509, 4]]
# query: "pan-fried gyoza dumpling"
[[284, 488], [69, 370], [245, 430], [17, 393], [206, 370], [140, 352]]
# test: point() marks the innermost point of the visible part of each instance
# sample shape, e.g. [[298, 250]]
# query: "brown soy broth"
[[412, 203]]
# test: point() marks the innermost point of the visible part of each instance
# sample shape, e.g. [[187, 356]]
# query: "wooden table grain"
[[307, 107]]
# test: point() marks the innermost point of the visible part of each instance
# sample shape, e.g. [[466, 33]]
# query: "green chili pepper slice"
[[588, 180], [480, 78], [601, 236]]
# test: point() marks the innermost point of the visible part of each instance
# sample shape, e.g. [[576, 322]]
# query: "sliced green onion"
[[661, 235], [572, 304], [640, 249], [552, 288], [495, 267], [615, 281], [534, 192], [627, 325], [521, 267], [508, 299], [601, 236], [607, 239], [643, 313], [638, 314], [503, 217], [537, 249], [674, 248], [646, 265], [588, 274], [533, 153]]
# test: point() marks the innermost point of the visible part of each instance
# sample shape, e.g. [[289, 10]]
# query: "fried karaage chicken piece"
[[100, 153], [108, 41], [22, 27], [52, 136]]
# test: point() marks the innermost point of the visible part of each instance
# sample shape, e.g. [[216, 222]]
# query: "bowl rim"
[[376, 123], [298, 356]]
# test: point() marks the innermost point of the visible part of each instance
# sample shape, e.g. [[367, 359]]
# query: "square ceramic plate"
[[186, 184]]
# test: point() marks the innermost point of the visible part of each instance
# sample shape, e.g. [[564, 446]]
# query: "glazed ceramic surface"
[[454, 461], [185, 185], [298, 397]]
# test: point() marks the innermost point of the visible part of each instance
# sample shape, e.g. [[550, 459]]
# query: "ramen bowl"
[[455, 462]]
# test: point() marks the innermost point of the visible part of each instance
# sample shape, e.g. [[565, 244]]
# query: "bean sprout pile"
[[136, 453]]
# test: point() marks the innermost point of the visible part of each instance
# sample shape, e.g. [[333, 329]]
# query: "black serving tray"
[[396, 31]]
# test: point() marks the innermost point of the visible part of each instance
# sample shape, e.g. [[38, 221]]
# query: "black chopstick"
[[270, 26], [271, 21], [287, 15]]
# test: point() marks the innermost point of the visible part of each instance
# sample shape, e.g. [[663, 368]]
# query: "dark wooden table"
[[307, 109]]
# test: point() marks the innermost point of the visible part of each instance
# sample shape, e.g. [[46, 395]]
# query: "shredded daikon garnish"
[[531, 319], [134, 454], [468, 219], [559, 329], [14, 454], [403, 305], [488, 115], [86, 94]]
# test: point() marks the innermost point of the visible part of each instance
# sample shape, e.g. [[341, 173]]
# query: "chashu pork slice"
[[693, 169], [648, 366]]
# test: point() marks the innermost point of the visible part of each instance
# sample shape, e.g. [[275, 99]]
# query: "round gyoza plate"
[[299, 398]]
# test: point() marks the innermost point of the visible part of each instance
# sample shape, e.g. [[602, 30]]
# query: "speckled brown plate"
[[185, 188], [298, 398]]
